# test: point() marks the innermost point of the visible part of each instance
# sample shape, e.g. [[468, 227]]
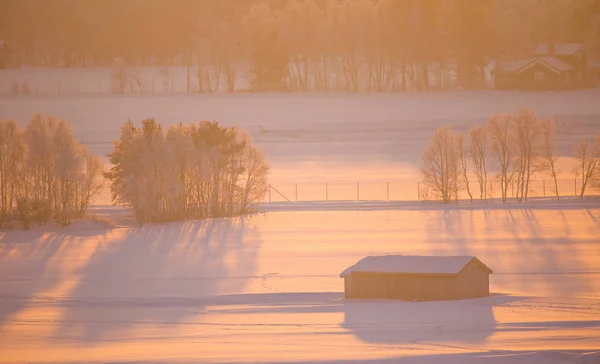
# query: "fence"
[[411, 190]]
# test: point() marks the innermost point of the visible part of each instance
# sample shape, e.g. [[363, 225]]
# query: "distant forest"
[[296, 45]]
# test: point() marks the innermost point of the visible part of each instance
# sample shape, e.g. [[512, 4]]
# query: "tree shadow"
[[531, 250], [158, 274], [31, 263]]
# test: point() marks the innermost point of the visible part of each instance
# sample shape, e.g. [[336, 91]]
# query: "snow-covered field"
[[328, 141], [266, 288]]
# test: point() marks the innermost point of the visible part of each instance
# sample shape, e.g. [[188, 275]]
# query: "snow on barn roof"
[[517, 67], [407, 264], [560, 49]]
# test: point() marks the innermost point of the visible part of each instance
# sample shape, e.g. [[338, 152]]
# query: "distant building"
[[552, 66], [6, 56], [417, 278]]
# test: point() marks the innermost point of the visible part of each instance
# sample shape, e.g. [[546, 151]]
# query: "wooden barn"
[[552, 66], [417, 278]]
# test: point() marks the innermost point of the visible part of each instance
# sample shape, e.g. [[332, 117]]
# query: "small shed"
[[417, 278]]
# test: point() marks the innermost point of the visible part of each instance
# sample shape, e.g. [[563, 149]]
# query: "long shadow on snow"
[[35, 261], [382, 321], [523, 246], [156, 275]]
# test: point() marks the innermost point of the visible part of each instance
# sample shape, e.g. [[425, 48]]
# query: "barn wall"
[[473, 282], [400, 286]]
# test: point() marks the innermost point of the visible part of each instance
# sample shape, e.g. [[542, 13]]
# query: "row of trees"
[[297, 44], [186, 172], [510, 149], [45, 173]]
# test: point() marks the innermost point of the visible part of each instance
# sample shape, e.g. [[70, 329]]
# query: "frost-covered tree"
[[477, 151], [190, 172], [440, 166], [549, 133], [58, 167], [12, 168], [463, 159], [503, 154], [528, 138], [588, 157], [45, 173]]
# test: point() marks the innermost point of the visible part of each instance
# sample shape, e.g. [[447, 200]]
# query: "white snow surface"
[[266, 288], [409, 264]]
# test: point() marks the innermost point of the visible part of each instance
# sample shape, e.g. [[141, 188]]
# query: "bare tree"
[[87, 184], [499, 127], [588, 156], [549, 133], [477, 151], [462, 154], [527, 134], [439, 165]]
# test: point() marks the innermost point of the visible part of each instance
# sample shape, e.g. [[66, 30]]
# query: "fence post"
[[269, 193], [357, 191], [296, 192], [326, 191], [544, 181], [387, 192]]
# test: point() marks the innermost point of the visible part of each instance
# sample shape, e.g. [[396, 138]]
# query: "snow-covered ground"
[[327, 143], [267, 288]]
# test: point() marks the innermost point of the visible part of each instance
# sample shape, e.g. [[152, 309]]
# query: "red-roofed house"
[[553, 66]]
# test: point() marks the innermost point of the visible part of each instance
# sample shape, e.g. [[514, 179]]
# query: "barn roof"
[[560, 49], [410, 264], [517, 67]]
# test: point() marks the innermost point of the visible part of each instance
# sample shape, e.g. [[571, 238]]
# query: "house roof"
[[408, 264], [592, 64], [518, 67], [560, 49]]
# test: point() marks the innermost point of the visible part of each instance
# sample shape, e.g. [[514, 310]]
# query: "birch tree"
[[549, 133], [588, 158], [499, 127], [477, 151], [527, 134], [439, 165], [463, 160]]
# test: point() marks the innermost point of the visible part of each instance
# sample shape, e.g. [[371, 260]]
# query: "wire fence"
[[413, 190]]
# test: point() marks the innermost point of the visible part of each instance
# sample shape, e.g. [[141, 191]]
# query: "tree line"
[[188, 172], [509, 150], [296, 45]]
